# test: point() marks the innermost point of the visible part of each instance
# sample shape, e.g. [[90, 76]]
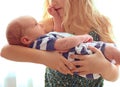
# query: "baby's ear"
[[26, 40]]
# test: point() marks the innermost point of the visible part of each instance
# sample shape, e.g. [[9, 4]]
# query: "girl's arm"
[[96, 63], [67, 43], [50, 59]]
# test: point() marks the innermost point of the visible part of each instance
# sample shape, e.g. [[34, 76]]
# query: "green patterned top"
[[54, 78]]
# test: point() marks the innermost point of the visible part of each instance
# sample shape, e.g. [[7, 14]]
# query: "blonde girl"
[[78, 17]]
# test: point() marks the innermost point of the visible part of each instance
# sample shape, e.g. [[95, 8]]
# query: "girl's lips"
[[57, 9]]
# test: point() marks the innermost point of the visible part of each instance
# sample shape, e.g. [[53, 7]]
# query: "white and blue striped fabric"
[[47, 41]]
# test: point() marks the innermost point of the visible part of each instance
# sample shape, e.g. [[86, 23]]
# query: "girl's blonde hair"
[[81, 16], [45, 13]]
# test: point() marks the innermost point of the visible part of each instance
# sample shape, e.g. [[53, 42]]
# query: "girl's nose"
[[53, 3]]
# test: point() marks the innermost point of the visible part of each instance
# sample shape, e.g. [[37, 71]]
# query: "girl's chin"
[[60, 11]]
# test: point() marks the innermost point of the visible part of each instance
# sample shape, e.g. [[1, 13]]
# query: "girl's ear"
[[26, 40]]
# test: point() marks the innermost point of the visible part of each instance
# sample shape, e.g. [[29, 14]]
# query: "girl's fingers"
[[83, 57], [66, 70], [78, 63], [80, 57], [83, 73], [69, 64], [79, 70], [63, 70], [93, 49]]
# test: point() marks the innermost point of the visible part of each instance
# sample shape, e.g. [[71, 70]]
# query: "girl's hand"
[[52, 11], [58, 62], [94, 63], [57, 19]]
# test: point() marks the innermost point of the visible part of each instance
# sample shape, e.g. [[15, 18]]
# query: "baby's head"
[[23, 30]]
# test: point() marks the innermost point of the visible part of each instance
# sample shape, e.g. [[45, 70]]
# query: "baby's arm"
[[57, 19], [52, 43], [66, 43]]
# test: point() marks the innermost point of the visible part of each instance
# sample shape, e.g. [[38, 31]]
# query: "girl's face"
[[58, 5]]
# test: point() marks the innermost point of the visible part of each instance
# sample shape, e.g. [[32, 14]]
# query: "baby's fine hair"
[[15, 30]]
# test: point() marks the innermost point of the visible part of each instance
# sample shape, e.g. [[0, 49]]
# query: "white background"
[[9, 9]]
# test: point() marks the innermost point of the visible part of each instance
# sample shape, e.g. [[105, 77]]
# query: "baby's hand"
[[88, 38]]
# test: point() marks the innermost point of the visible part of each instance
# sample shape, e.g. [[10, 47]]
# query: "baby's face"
[[34, 29]]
